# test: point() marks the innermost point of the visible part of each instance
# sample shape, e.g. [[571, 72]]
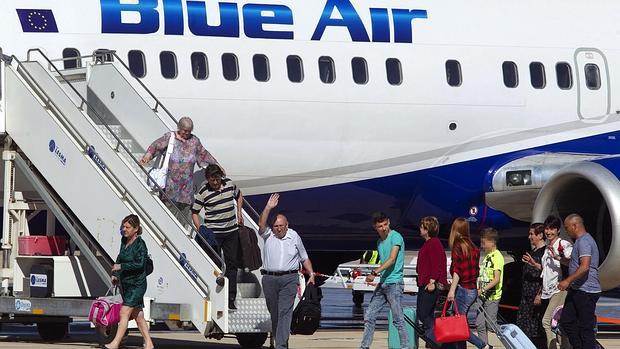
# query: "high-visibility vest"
[[371, 257]]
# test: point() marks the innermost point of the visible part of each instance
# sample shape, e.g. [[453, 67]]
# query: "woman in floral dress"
[[188, 151]]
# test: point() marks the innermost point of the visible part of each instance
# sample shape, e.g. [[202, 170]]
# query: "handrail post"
[[199, 280]]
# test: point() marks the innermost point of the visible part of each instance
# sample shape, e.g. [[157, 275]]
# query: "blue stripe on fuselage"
[[337, 217]]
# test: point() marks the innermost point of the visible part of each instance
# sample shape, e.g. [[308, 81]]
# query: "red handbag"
[[453, 328]]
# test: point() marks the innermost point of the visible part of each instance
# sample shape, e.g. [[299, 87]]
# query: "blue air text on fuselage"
[[336, 13]]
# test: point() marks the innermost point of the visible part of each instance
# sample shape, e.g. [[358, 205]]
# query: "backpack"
[[307, 315], [250, 252], [148, 265]]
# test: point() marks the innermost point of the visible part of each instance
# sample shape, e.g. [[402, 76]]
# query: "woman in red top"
[[431, 270], [464, 269]]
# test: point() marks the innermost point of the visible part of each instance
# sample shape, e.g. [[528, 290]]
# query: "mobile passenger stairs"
[[72, 141]]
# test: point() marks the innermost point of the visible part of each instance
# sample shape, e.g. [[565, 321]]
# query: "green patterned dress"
[[132, 275]]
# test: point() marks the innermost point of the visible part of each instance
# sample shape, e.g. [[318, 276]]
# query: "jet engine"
[[591, 189]]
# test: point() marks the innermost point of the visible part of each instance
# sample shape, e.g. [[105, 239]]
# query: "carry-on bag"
[[555, 325], [307, 314], [105, 311], [511, 336], [451, 328], [160, 175], [250, 252], [394, 337]]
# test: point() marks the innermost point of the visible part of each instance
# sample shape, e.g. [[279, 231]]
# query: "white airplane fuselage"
[[339, 150]]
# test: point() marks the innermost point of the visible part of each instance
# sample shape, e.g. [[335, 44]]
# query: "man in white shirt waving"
[[282, 254]]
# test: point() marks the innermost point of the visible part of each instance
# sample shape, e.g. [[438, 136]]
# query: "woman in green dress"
[[131, 272]]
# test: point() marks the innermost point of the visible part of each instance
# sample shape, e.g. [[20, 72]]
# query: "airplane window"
[[537, 75], [137, 63], [359, 68], [327, 70], [564, 75], [200, 66], [261, 67], [295, 68], [230, 67], [394, 71], [511, 74], [69, 63], [168, 63], [593, 76], [453, 73]]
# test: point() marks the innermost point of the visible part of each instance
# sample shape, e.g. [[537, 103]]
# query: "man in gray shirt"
[[584, 288]]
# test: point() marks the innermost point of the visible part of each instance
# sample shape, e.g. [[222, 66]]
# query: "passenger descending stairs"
[[100, 125]]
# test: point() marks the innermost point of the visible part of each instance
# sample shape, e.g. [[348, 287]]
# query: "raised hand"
[[273, 201], [527, 258], [561, 249]]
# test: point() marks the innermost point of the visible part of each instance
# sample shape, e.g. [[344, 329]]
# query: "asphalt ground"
[[341, 327]]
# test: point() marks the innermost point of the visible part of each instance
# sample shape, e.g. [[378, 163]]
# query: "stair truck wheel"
[[53, 331], [105, 334], [251, 340]]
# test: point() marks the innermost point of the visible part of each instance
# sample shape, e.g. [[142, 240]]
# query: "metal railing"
[[124, 194], [99, 58]]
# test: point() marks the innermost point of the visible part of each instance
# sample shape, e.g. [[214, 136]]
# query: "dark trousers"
[[578, 319], [229, 243], [425, 310]]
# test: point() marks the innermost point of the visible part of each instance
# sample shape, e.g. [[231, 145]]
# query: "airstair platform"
[[75, 138]]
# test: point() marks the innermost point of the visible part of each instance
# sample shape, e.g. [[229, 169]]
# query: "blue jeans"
[[391, 294], [465, 298]]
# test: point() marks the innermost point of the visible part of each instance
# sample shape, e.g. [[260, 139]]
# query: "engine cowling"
[[591, 189]]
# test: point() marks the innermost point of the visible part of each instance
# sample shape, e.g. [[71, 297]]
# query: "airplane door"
[[592, 83]]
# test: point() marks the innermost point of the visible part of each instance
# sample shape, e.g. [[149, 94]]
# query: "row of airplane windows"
[[327, 69]]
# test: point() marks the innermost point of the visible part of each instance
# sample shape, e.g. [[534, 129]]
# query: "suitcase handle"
[[494, 326]]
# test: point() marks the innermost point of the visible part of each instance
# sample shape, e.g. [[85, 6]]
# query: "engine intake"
[[593, 191]]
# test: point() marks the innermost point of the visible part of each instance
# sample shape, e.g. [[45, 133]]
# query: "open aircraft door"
[[3, 58], [592, 83]]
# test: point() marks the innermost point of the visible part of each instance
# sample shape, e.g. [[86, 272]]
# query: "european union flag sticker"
[[37, 21]]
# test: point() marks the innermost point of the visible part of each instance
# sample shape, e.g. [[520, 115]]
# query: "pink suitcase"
[[106, 311], [42, 245]]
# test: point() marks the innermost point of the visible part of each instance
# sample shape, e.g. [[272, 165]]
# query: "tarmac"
[[341, 339], [341, 328]]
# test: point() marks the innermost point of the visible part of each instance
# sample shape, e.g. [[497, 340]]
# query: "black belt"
[[277, 273]]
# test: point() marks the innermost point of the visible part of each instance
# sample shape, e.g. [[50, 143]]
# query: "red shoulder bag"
[[453, 328]]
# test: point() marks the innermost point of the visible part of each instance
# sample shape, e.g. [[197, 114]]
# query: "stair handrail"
[[158, 103], [125, 193], [157, 189], [99, 57]]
